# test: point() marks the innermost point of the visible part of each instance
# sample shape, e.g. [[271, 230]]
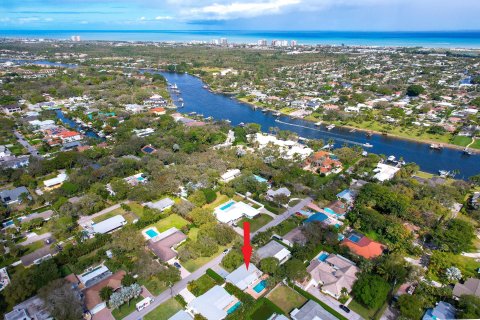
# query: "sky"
[[341, 15]]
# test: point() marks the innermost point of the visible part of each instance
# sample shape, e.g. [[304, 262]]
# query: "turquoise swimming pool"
[[328, 210], [228, 205], [260, 286], [234, 307], [354, 238], [323, 256], [151, 233]]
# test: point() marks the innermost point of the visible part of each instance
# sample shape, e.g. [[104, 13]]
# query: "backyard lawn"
[[118, 211], [136, 208], [361, 310], [126, 309], [221, 198], [165, 310], [257, 222], [33, 247], [287, 299], [461, 141], [172, 220], [264, 309], [192, 265], [193, 234], [287, 226]]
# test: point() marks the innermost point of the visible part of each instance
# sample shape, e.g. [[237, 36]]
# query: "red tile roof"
[[366, 247]]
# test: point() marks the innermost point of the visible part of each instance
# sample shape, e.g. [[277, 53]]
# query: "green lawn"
[[476, 144], [257, 222], [165, 310], [221, 198], [361, 310], [118, 211], [33, 247], [461, 141], [201, 285], [193, 234], [192, 265], [264, 309], [287, 226], [171, 221], [287, 299], [136, 208], [154, 285], [126, 309]]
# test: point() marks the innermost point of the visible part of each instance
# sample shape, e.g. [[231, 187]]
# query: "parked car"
[[344, 308], [226, 251], [177, 265]]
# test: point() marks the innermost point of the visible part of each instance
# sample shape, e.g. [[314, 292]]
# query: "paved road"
[[35, 239], [334, 304], [31, 149], [85, 219], [280, 218], [179, 286]]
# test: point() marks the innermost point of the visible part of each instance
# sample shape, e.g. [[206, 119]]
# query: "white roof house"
[[213, 304], [243, 278], [94, 276], [231, 211], [230, 175], [109, 225], [289, 148], [275, 250], [385, 172], [161, 205], [59, 179], [181, 315]]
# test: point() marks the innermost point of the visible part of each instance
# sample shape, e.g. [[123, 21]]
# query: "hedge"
[[215, 276]]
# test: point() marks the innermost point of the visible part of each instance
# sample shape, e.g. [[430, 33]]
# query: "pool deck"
[[252, 292]]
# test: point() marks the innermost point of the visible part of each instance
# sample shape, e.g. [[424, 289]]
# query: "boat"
[[368, 145], [264, 110], [353, 130], [180, 99], [328, 146], [330, 127], [391, 158], [467, 152], [209, 118], [227, 121], [369, 134], [436, 146], [318, 123], [241, 124], [174, 87], [205, 87], [277, 114], [444, 173], [192, 113]]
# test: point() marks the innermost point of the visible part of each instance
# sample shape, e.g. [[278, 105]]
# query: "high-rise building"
[[262, 42], [75, 38], [294, 43]]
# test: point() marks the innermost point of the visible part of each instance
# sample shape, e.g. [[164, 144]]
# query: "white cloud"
[[143, 18], [163, 18], [239, 10]]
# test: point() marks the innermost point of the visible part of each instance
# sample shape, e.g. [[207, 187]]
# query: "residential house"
[[363, 246], [161, 205], [56, 182], [385, 172], [163, 245], [13, 162], [181, 315], [295, 236], [157, 111], [134, 108], [10, 109], [13, 196], [94, 276], [442, 311], [231, 211], [93, 303], [213, 304], [244, 278], [272, 194], [323, 162], [4, 152], [143, 132], [470, 287], [275, 250], [230, 175], [311, 311], [332, 273], [108, 225], [31, 309]]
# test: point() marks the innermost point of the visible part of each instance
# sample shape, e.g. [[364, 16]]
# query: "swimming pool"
[[328, 210], [151, 233], [260, 286], [354, 238], [323, 256], [320, 217], [228, 205], [234, 307]]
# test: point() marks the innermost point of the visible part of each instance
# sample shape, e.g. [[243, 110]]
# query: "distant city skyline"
[[341, 15]]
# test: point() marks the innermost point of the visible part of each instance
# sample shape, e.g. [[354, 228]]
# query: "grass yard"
[[461, 141], [287, 299], [165, 310], [257, 222], [118, 211], [361, 310], [287, 226], [33, 247], [172, 220], [193, 234], [264, 309], [192, 265], [154, 285], [476, 144], [136, 208], [126, 309], [221, 198], [201, 285]]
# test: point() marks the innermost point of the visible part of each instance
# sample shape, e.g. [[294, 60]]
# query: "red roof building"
[[364, 247]]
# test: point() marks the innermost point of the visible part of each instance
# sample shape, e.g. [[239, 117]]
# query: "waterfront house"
[[323, 162], [157, 111], [332, 273], [385, 172]]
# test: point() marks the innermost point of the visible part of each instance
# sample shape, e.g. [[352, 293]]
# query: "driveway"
[[35, 237], [86, 219], [179, 286], [280, 218], [332, 303], [183, 272], [31, 149]]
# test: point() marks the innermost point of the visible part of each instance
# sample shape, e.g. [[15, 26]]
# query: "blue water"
[[328, 210], [354, 238], [466, 39], [260, 179], [221, 107], [234, 307], [151, 233], [72, 124], [323, 256], [228, 205], [260, 286]]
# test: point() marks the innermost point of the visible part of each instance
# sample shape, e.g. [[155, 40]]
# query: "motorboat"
[[391, 158], [318, 123], [436, 146], [368, 145], [330, 127]]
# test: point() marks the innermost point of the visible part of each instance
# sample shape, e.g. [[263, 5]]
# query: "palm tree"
[[105, 293]]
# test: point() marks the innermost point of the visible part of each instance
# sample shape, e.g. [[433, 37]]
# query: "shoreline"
[[423, 141]]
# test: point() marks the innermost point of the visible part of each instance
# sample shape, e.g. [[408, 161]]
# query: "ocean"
[[437, 39]]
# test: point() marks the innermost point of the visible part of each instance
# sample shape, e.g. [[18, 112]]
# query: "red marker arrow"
[[247, 248]]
